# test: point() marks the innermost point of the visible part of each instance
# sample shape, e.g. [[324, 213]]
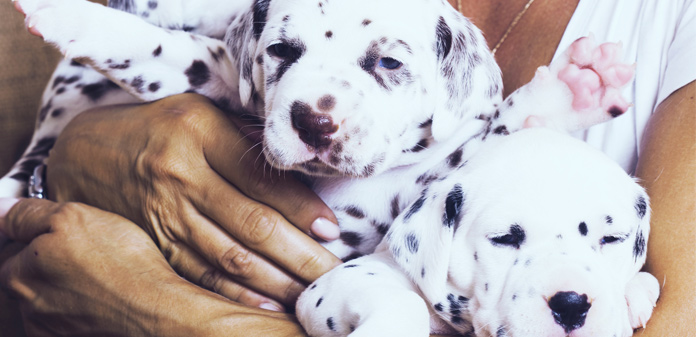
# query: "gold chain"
[[509, 28]]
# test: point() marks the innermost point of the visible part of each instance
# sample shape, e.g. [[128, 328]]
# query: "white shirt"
[[659, 36]]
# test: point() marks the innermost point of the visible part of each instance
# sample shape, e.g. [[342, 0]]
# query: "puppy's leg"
[[147, 61], [72, 89], [579, 89], [641, 296], [368, 296]]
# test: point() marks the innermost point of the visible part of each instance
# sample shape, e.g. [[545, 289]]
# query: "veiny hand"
[[181, 170], [86, 272]]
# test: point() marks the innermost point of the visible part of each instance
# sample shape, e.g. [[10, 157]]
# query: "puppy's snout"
[[569, 309], [313, 129]]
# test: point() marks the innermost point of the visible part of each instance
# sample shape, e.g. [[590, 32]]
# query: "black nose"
[[569, 309], [313, 129]]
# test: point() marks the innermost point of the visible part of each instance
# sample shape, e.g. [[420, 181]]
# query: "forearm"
[[667, 169]]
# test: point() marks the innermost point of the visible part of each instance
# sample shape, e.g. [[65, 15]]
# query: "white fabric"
[[660, 37]]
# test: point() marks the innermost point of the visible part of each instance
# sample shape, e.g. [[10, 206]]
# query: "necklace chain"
[[509, 28]]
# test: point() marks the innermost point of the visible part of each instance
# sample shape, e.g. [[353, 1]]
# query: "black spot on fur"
[[321, 299], [74, 63], [455, 158], [444, 39], [415, 207], [60, 90], [426, 124], [152, 4], [120, 66], [158, 51], [123, 5], [426, 178], [58, 80], [412, 243], [330, 324], [260, 16], [582, 228], [96, 91], [609, 220], [395, 209], [453, 206], [366, 22], [381, 228], [43, 112], [352, 256], [352, 239], [329, 34], [154, 86], [198, 73], [639, 245], [420, 146], [137, 83], [641, 207], [501, 130], [457, 320], [57, 112], [42, 147], [355, 212], [438, 307], [350, 266], [26, 168], [502, 332]]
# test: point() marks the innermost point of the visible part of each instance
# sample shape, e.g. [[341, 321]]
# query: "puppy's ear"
[[420, 240], [469, 81], [243, 41]]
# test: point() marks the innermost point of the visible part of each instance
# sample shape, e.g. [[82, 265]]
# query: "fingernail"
[[272, 307], [325, 229]]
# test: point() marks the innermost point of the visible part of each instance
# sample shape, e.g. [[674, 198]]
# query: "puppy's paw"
[[641, 296], [595, 74]]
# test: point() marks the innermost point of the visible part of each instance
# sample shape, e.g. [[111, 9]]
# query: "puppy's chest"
[[366, 207]]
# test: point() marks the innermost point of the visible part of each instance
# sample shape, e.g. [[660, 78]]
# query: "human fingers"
[[193, 267], [209, 256], [263, 230], [241, 162]]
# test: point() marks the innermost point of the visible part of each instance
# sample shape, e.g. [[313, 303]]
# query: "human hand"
[[181, 170], [86, 272]]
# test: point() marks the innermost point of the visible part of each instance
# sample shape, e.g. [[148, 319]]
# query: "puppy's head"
[[352, 88], [538, 235]]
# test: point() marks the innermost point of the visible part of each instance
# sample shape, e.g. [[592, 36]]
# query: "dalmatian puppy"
[[392, 97], [537, 235]]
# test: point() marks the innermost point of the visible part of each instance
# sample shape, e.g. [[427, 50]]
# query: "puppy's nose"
[[569, 309], [313, 129]]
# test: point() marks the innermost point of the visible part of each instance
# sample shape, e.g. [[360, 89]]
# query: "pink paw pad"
[[595, 75]]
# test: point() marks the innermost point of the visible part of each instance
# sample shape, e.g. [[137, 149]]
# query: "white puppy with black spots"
[[537, 235], [373, 105]]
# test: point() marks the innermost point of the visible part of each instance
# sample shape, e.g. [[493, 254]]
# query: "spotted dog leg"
[[147, 61], [641, 296], [579, 89], [368, 296], [73, 88]]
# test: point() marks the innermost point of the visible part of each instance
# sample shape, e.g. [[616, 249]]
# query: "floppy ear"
[[469, 82], [420, 241], [243, 40]]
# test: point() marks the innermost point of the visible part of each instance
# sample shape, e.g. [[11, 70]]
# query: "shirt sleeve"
[[681, 56]]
